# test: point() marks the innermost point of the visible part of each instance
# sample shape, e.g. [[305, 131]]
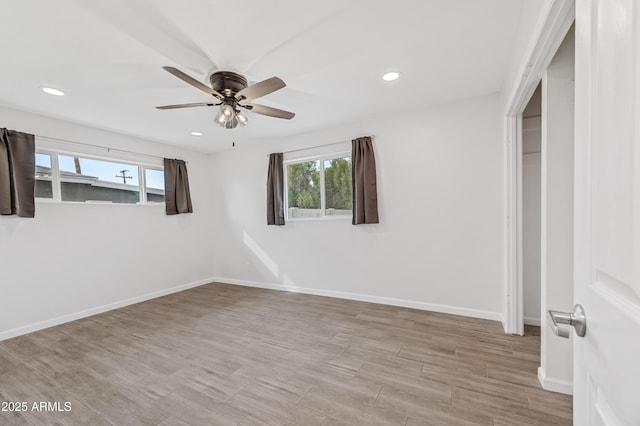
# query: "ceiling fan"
[[231, 90]]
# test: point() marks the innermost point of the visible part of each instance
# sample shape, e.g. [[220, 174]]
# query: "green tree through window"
[[304, 188], [303, 181], [337, 183]]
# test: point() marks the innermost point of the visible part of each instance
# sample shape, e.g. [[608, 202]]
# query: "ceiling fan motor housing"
[[227, 83], [231, 89]]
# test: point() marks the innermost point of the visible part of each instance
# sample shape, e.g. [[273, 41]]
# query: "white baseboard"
[[14, 332], [553, 384], [532, 321], [446, 309], [475, 313]]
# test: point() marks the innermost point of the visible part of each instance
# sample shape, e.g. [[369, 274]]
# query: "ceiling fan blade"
[[192, 81], [150, 25], [260, 89], [270, 111], [195, 104]]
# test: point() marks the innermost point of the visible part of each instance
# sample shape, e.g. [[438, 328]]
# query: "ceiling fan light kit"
[[230, 90]]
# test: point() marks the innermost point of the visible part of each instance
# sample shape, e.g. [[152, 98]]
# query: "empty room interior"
[[275, 212]]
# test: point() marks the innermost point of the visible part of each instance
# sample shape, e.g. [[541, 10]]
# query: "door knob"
[[576, 319]]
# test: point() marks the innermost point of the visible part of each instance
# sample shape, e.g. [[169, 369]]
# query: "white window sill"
[[319, 219], [93, 203]]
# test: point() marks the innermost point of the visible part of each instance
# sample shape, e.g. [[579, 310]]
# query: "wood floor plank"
[[541, 400], [232, 355], [34, 389], [351, 387], [350, 410], [517, 377], [504, 409], [263, 405], [417, 385], [174, 421], [405, 366], [196, 408], [422, 407]]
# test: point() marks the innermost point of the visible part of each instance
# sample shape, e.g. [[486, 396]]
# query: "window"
[[154, 183], [44, 176], [319, 188], [85, 179], [337, 186]]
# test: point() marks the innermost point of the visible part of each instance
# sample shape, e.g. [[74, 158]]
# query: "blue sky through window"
[[108, 171], [105, 171], [154, 178], [43, 160]]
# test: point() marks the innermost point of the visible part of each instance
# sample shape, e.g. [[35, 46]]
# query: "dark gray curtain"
[[275, 190], [17, 173], [176, 187], [363, 181]]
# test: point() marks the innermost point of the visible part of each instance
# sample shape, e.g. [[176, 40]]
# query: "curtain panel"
[[363, 174], [275, 190], [176, 187], [17, 173]]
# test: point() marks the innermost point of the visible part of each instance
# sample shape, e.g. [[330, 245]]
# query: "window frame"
[[57, 183], [321, 158], [143, 184], [55, 177]]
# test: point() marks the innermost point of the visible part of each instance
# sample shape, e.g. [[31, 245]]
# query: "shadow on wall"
[[10, 224]]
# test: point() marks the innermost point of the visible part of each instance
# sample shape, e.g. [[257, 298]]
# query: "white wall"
[[439, 244], [75, 259], [556, 370], [531, 199]]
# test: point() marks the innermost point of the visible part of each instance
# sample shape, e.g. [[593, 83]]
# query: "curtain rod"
[[318, 146], [102, 147]]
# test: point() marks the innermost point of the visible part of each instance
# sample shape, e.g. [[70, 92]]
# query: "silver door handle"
[[576, 319]]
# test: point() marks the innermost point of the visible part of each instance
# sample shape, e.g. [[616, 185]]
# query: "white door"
[[607, 212]]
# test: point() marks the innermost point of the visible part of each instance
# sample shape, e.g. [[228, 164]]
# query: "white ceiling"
[[107, 56]]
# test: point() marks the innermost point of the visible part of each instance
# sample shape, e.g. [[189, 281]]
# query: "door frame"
[[551, 31]]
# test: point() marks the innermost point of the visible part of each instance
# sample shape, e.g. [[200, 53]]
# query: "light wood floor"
[[229, 355]]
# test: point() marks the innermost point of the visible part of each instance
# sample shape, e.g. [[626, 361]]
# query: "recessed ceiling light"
[[52, 91], [196, 133], [390, 76]]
